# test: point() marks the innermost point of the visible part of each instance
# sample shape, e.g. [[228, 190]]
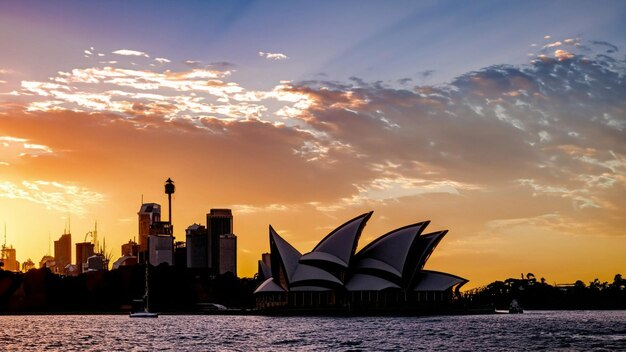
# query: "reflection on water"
[[530, 331]]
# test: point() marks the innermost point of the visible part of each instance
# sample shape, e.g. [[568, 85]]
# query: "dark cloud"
[[426, 74], [610, 48], [559, 122], [222, 65]]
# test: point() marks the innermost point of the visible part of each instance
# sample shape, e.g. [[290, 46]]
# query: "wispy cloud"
[[127, 52], [273, 56], [12, 147], [251, 209], [52, 195]]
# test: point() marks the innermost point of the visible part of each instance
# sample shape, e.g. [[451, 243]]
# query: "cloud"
[[14, 147], [162, 60], [609, 48], [126, 52], [273, 56], [52, 195], [250, 209], [552, 131], [563, 55]]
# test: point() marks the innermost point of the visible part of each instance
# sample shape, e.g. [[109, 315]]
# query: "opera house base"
[[359, 303]]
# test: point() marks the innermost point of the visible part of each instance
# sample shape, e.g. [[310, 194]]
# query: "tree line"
[[172, 289], [538, 294]]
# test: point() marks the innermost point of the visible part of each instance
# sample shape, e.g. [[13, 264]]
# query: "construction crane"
[[94, 236]]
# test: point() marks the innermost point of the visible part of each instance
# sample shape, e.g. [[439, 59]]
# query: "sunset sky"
[[503, 122]]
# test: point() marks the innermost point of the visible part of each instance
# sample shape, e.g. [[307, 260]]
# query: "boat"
[[515, 308], [146, 313]]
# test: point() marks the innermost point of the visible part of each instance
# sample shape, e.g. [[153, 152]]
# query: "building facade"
[[149, 213], [84, 250], [219, 222], [63, 253], [197, 246], [161, 243], [130, 249], [228, 254], [9, 259]]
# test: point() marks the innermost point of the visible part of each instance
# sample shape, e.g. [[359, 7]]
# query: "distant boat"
[[515, 308], [146, 313]]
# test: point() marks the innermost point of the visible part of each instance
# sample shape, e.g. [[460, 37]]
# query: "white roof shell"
[[269, 286]]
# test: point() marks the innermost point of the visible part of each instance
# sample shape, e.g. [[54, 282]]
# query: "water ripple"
[[551, 331]]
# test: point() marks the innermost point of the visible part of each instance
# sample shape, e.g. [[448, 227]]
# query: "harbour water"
[[531, 331]]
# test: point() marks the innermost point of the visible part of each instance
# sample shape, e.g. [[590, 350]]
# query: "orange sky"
[[525, 164]]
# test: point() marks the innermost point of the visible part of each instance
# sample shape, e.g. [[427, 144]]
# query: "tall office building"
[[161, 247], [228, 254], [149, 214], [9, 259], [219, 222], [63, 253], [84, 250], [197, 242]]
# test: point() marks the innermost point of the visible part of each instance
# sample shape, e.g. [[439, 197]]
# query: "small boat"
[[143, 315], [515, 308]]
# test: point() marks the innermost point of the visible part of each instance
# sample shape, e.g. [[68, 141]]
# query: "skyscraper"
[[63, 252], [84, 250], [228, 254], [219, 222], [149, 214], [197, 246], [9, 259]]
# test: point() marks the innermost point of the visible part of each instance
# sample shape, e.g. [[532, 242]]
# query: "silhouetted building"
[[71, 270], [388, 273], [84, 250], [95, 262], [219, 222], [47, 261], [130, 249], [228, 254], [149, 213], [197, 247], [265, 267], [161, 249], [124, 261], [62, 253], [9, 259], [161, 243]]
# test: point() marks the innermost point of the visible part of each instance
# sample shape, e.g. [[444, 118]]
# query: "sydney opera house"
[[385, 275]]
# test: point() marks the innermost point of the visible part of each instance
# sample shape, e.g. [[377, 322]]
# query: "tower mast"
[[169, 189]]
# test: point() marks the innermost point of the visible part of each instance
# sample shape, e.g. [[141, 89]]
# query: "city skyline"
[[493, 120]]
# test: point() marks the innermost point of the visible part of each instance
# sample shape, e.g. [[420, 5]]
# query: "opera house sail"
[[386, 275]]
